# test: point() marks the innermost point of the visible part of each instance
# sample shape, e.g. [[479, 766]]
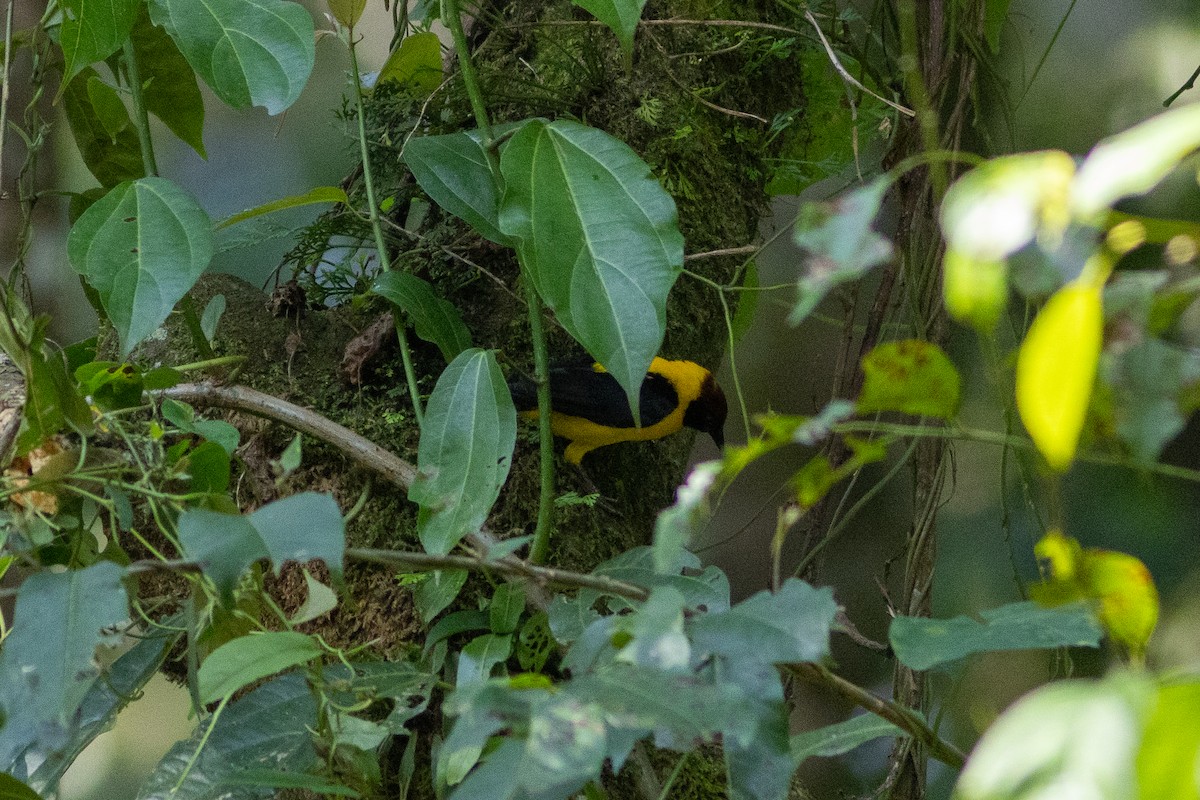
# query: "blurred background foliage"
[[1066, 75]]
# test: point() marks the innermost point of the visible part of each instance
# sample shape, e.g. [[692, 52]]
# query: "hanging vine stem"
[[540, 548], [385, 261]]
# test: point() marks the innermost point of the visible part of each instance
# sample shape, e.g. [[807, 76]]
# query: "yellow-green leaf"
[[1056, 368], [976, 290], [912, 377], [417, 61], [347, 12]]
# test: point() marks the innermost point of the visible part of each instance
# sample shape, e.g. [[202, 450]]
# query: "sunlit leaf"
[[1067, 739], [921, 643], [250, 52], [912, 377], [347, 12], [1136, 160], [417, 62], [319, 194], [434, 318], [975, 290], [599, 238], [1056, 369], [247, 659], [465, 450], [1167, 760], [141, 247]]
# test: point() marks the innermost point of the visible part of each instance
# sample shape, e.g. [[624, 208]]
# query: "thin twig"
[[1191, 83], [846, 76]]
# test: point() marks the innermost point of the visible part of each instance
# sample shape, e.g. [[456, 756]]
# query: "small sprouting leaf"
[[319, 194], [1119, 587], [141, 247], [318, 601], [171, 92], [111, 158], [48, 662], [436, 590], [92, 30], [508, 603], [453, 170], [247, 659], [841, 737], [480, 655], [921, 643], [289, 460], [599, 238], [839, 243], [621, 16], [417, 62], [1056, 369], [347, 12], [250, 52], [211, 317], [1075, 736], [912, 377], [465, 450], [1134, 161], [790, 625], [435, 319]]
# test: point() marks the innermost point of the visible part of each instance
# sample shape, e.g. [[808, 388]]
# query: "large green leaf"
[[465, 451], [269, 728], [453, 170], [620, 15], [921, 643], [48, 664], [297, 528], [171, 92], [790, 625], [251, 52], [92, 30], [141, 247], [121, 684], [112, 158], [598, 236], [247, 659], [435, 319], [1170, 751]]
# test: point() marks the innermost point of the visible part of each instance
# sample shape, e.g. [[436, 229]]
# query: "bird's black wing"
[[580, 391]]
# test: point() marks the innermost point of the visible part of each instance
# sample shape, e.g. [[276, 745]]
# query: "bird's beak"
[[718, 436]]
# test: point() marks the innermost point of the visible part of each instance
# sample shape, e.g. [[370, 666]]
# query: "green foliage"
[[466, 449], [416, 62], [841, 737], [141, 247], [435, 319], [243, 661], [621, 16], [93, 30]]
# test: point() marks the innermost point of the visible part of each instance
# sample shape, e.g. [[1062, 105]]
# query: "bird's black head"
[[708, 411]]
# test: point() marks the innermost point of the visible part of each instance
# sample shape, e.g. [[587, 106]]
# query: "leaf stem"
[[141, 118], [381, 251], [452, 19]]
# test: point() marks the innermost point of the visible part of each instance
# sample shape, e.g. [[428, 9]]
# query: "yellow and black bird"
[[590, 409]]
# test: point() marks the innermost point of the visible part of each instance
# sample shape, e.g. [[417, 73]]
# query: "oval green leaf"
[[435, 319], [465, 450], [347, 12], [912, 377], [417, 62], [243, 661], [141, 247], [598, 236], [251, 52], [453, 170]]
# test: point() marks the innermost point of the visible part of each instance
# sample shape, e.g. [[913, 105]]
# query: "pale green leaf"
[[250, 52], [211, 317], [1169, 758], [436, 590], [912, 377], [465, 450], [787, 626], [141, 247], [319, 600], [247, 659], [841, 737], [319, 194], [435, 319], [599, 238], [347, 12], [508, 603], [922, 643], [480, 655]]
